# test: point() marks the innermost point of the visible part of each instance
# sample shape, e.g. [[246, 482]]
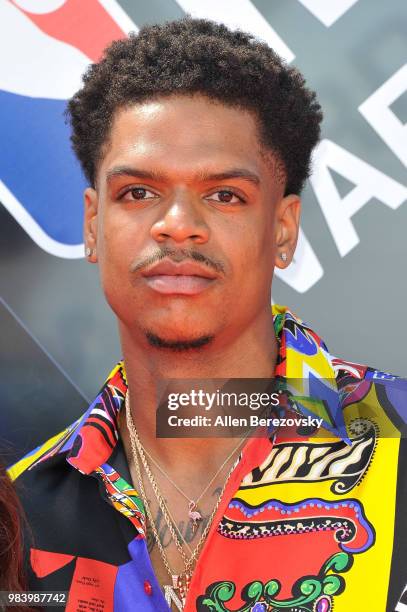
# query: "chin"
[[177, 344]]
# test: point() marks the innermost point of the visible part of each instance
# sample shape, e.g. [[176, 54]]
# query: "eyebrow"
[[239, 173], [233, 173], [130, 171]]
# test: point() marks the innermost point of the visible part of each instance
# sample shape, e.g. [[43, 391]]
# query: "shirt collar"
[[309, 371], [303, 362]]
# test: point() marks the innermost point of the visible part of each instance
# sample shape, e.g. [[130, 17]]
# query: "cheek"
[[252, 251], [114, 256], [118, 238]]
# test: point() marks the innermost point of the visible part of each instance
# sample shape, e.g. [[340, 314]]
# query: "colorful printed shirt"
[[308, 523]]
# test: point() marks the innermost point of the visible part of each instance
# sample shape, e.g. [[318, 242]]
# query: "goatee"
[[177, 345]]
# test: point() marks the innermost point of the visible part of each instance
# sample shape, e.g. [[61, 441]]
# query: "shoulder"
[[51, 447], [367, 392]]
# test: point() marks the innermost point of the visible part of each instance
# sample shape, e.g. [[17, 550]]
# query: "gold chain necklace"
[[194, 515], [176, 592]]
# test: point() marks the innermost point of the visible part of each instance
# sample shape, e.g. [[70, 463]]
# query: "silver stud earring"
[[88, 252], [283, 256]]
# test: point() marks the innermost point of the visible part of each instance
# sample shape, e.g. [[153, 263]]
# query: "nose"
[[181, 222]]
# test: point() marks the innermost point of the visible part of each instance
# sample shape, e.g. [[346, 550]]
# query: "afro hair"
[[191, 56]]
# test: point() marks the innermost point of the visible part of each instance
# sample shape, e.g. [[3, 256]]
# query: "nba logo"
[[45, 47]]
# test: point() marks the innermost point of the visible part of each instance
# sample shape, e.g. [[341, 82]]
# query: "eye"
[[226, 196], [137, 193]]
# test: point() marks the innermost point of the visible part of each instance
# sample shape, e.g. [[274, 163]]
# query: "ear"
[[286, 229], [90, 224]]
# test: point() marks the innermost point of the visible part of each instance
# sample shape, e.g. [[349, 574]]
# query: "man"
[[196, 142]]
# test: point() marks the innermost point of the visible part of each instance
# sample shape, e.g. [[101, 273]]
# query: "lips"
[[182, 278]]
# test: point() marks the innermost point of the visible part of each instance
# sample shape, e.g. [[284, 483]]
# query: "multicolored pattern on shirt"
[[307, 523]]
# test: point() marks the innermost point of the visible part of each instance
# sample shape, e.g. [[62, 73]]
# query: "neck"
[[251, 354]]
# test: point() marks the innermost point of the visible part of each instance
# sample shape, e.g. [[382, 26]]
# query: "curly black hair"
[[190, 56]]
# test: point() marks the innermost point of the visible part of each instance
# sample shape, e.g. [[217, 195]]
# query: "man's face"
[[186, 221]]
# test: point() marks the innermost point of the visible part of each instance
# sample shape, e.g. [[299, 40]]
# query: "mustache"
[[176, 255]]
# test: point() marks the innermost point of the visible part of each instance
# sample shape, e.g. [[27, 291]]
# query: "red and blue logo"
[[44, 49]]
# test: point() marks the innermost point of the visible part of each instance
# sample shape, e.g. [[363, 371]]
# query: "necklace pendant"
[[172, 598], [194, 516], [177, 592], [181, 583]]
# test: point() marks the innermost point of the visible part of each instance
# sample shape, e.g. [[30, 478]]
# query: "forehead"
[[182, 133]]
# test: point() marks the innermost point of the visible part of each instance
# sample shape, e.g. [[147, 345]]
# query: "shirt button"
[[148, 589]]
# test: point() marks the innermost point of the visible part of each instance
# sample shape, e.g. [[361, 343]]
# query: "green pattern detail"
[[278, 324], [305, 591], [125, 487], [314, 405], [139, 503]]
